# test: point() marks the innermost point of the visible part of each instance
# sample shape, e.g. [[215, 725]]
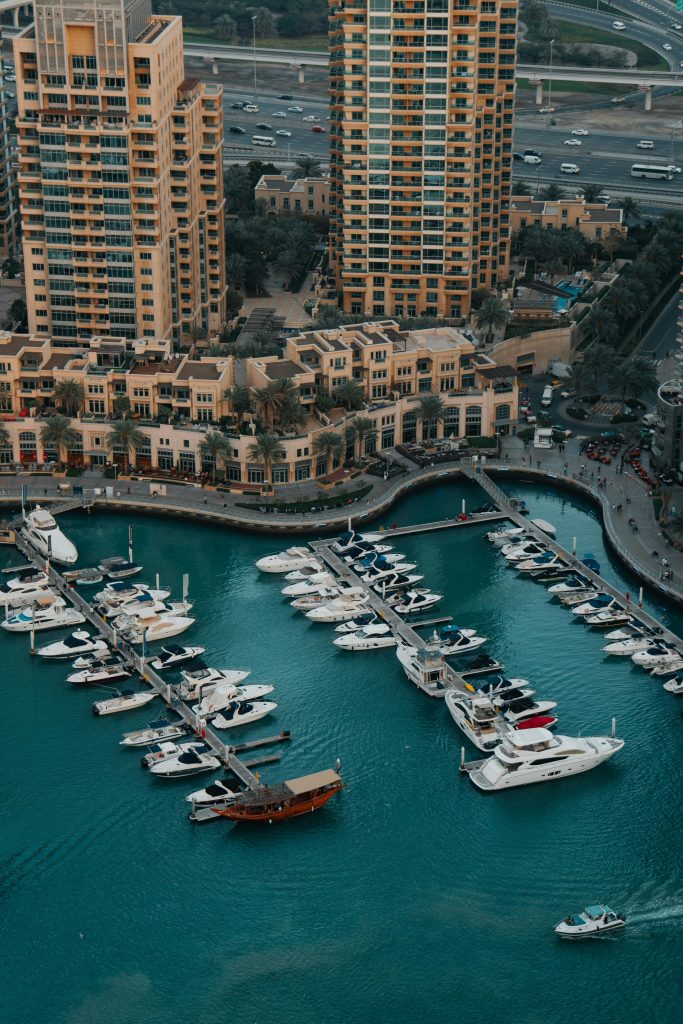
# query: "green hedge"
[[319, 504], [482, 442]]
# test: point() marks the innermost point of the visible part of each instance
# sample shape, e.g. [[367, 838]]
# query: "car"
[[10, 78], [236, 130], [546, 110], [672, 167], [667, 46], [283, 131], [579, 131], [279, 113], [250, 108], [567, 393], [285, 96], [677, 25], [517, 156], [264, 127], [310, 117], [618, 25], [603, 198], [617, 99], [681, 64], [645, 144], [236, 106], [572, 142], [569, 169], [295, 110], [318, 128]]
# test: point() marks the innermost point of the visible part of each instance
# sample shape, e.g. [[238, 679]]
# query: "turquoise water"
[[412, 897]]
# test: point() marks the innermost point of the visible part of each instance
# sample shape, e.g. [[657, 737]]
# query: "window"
[[473, 421]]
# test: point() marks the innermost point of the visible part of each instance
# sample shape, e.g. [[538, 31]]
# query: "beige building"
[[9, 203], [121, 179], [420, 153], [595, 221], [276, 193]]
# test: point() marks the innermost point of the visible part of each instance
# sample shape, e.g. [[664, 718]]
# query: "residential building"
[[422, 96], [279, 194], [9, 204], [121, 178], [595, 221], [667, 441]]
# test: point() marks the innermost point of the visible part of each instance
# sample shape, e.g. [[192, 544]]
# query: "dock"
[[446, 524]]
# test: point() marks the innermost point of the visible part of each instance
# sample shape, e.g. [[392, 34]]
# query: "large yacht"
[[41, 530], [424, 667], [286, 561], [477, 717]]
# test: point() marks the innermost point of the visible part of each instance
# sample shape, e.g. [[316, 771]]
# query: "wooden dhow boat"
[[287, 800]]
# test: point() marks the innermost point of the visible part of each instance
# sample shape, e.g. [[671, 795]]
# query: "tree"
[[264, 23], [634, 377], [431, 410], [125, 434], [573, 248], [11, 267], [591, 192], [273, 397], [630, 208], [324, 400], [240, 399], [226, 28], [238, 190], [236, 270], [579, 378], [521, 188], [599, 361], [553, 254], [70, 396], [292, 416], [5, 440], [212, 448], [358, 432], [552, 192], [58, 433], [622, 302], [306, 167], [492, 317], [601, 326], [329, 446], [122, 407], [268, 449], [350, 395], [291, 262]]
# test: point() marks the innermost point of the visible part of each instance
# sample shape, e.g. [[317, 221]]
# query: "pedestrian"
[[592, 475], [538, 463], [566, 468]]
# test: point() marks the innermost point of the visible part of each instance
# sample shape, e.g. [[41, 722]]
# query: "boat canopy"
[[306, 783]]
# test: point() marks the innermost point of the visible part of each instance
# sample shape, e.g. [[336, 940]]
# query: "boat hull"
[[278, 812], [550, 773]]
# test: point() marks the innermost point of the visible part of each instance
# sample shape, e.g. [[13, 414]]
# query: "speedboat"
[[516, 709], [175, 654], [78, 642], [507, 689], [123, 570], [480, 662], [594, 920], [218, 698], [601, 603], [518, 552], [358, 622], [310, 586], [454, 640], [571, 585], [675, 684], [25, 577], [425, 667], [19, 597], [414, 601], [499, 538], [484, 510], [123, 700], [160, 729], [150, 627], [578, 597], [476, 716], [541, 563], [347, 540], [41, 530], [104, 673], [605, 619], [167, 749], [657, 654], [544, 526], [199, 681], [123, 591], [191, 762], [397, 581], [380, 558], [383, 570], [536, 755], [88, 577], [217, 792], [363, 549], [243, 712], [671, 668], [144, 604], [44, 613], [340, 609], [631, 645], [306, 572], [325, 595], [285, 561], [367, 639], [632, 630]]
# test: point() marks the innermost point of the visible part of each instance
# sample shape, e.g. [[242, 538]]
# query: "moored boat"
[[157, 730], [123, 700], [286, 561], [368, 638], [240, 712], [217, 792], [41, 530], [77, 643], [190, 762], [104, 673], [425, 667], [44, 613], [414, 601], [288, 800]]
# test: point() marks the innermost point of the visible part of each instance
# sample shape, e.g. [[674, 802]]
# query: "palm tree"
[[553, 254], [70, 395], [291, 261], [492, 317], [307, 167], [573, 248], [579, 377], [521, 188], [125, 434], [292, 416], [329, 446], [622, 302], [236, 270], [630, 208], [430, 410], [58, 433], [4, 436], [601, 326], [240, 399], [350, 395], [273, 397], [599, 361], [359, 431], [268, 449], [591, 193], [552, 192], [634, 377], [213, 447]]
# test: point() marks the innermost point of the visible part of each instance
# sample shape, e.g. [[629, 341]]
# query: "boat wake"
[[657, 915]]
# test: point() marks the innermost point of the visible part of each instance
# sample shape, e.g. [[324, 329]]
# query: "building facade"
[[276, 193], [667, 441], [422, 97], [595, 221], [121, 178], [9, 202]]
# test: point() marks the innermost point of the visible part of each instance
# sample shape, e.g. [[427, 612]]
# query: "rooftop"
[[153, 366], [195, 370], [281, 368]]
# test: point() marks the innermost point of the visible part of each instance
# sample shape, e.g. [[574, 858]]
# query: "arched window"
[[473, 421]]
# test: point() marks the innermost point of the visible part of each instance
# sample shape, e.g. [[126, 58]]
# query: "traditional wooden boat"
[[287, 800]]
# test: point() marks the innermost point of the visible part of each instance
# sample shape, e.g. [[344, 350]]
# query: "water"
[[411, 897]]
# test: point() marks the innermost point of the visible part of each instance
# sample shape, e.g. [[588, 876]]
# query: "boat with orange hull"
[[287, 800]]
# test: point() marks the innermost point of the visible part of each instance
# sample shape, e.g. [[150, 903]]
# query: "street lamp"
[[253, 25], [550, 79]]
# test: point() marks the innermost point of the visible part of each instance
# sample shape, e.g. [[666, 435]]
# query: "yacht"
[[78, 642], [27, 576], [499, 538], [578, 597], [454, 640], [476, 716], [368, 638], [160, 729], [375, 567], [576, 583], [217, 792], [325, 595], [415, 601], [397, 581], [626, 632], [363, 549], [149, 626], [424, 667], [122, 591], [198, 682], [516, 710], [19, 597], [311, 586], [631, 645], [518, 552], [536, 755], [41, 530], [87, 577], [191, 762], [675, 684], [347, 540], [656, 655], [605, 619], [122, 570], [382, 557], [103, 673], [507, 689], [44, 613], [243, 712], [672, 668], [144, 605], [123, 700], [218, 698], [286, 561], [368, 618], [544, 526], [306, 572], [541, 563], [166, 749], [341, 609], [594, 920], [601, 603], [175, 654]]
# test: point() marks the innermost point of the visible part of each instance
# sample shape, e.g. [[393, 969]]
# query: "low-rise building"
[[595, 221], [276, 193]]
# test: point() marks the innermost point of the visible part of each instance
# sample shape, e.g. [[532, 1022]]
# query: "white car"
[[572, 142], [579, 131], [618, 25], [310, 117], [279, 113], [295, 110], [250, 108], [667, 46], [676, 25], [283, 131], [674, 169]]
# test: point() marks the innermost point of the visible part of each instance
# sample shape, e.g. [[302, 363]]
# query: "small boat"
[[358, 622], [243, 712], [594, 920], [78, 642], [123, 700], [363, 549], [544, 526], [477, 717], [380, 558], [104, 673], [541, 563], [632, 630], [481, 661], [44, 613], [307, 572], [95, 661], [41, 530], [656, 655], [376, 571], [25, 577], [285, 561], [122, 591], [578, 597], [552, 575], [454, 640], [415, 601], [520, 552], [314, 585], [672, 668], [425, 667], [630, 646], [576, 583], [499, 538], [675, 684], [159, 729], [600, 603], [397, 581], [507, 689], [217, 792], [340, 609], [537, 722], [198, 681], [150, 627], [484, 510], [118, 568], [288, 800], [88, 577], [175, 654], [605, 619], [368, 638], [347, 540], [190, 762], [145, 604], [326, 595], [528, 756], [19, 596], [167, 748], [518, 709], [218, 698]]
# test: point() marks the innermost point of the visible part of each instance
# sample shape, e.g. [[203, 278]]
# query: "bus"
[[651, 171], [263, 140]]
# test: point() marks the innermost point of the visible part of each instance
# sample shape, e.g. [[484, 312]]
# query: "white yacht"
[[166, 749], [325, 595], [629, 646], [243, 712], [191, 762], [124, 700], [424, 667], [544, 526], [27, 593], [368, 638], [415, 601], [541, 563], [363, 549], [217, 792], [502, 689], [670, 669], [454, 640], [518, 552], [122, 591], [600, 603], [605, 619], [44, 613], [156, 731], [536, 755], [310, 586], [144, 605], [477, 717], [306, 573], [151, 626], [578, 597], [594, 920], [380, 571], [41, 530], [397, 581], [100, 674], [27, 576], [198, 682], [218, 698], [499, 538], [517, 710], [340, 609], [576, 583], [656, 655], [347, 540], [121, 569], [387, 557], [675, 684], [367, 618], [286, 561], [175, 654], [78, 642]]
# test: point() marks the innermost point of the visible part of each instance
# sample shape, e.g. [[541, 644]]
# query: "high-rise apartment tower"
[[9, 204], [422, 95], [121, 178]]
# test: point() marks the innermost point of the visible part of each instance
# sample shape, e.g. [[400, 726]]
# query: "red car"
[[318, 128]]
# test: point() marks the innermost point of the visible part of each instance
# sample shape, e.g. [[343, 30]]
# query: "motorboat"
[[519, 552], [382, 571], [656, 655], [25, 577], [306, 572], [526, 756], [481, 661], [314, 585], [166, 749], [671, 668], [600, 603], [382, 564], [288, 800], [453, 640], [286, 561], [675, 684], [499, 538], [123, 700], [605, 619], [218, 698], [143, 605], [631, 645], [347, 540], [576, 583], [634, 629], [507, 689], [102, 674], [118, 568], [44, 613], [124, 591], [159, 729], [149, 626], [578, 597], [40, 529], [476, 716], [516, 709], [541, 563], [425, 667], [381, 557], [190, 762], [363, 549], [325, 595], [198, 682], [544, 526], [341, 609], [594, 920], [557, 572], [241, 712], [175, 654], [93, 663], [217, 792], [19, 597], [397, 581], [78, 642], [415, 601], [368, 638], [358, 622], [537, 722], [88, 577]]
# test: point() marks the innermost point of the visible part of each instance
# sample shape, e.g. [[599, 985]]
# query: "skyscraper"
[[422, 95], [9, 209], [120, 181]]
